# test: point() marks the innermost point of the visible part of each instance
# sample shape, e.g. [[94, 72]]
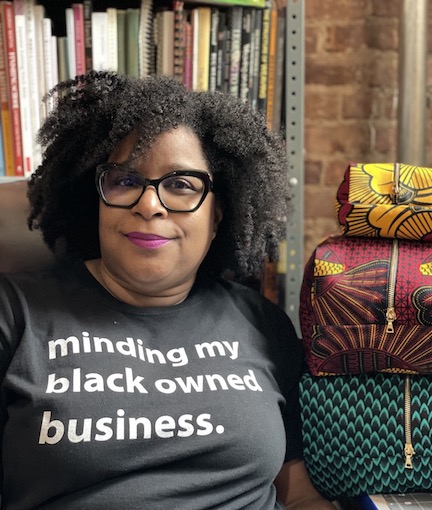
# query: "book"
[[245, 3], [70, 35], [413, 501], [99, 26], [88, 9], [23, 86], [164, 39], [222, 52], [9, 44], [79, 38], [121, 41], [213, 61], [264, 56], [5, 112], [255, 60], [188, 55], [146, 53], [50, 65], [235, 26], [39, 14], [132, 36], [62, 58], [271, 68], [278, 110], [203, 48], [179, 40], [246, 54], [112, 39], [2, 160]]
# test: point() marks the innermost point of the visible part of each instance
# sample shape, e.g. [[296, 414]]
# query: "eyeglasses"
[[179, 191]]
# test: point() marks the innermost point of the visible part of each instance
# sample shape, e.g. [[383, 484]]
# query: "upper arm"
[[295, 490]]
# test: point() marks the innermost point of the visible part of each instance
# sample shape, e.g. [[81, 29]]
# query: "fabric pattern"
[[344, 302], [354, 435], [367, 205]]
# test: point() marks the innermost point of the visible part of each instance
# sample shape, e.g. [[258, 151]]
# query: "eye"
[[126, 180], [182, 184]]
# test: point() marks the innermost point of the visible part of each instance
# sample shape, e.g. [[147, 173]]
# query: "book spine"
[[88, 9], [70, 34], [194, 64], [188, 62], [100, 40], [221, 51], [121, 41], [39, 14], [264, 55], [48, 60], [214, 49], [179, 40], [271, 72], [146, 49], [12, 83], [279, 72], [203, 61], [112, 39], [34, 72], [62, 58], [236, 16], [245, 54], [79, 38], [132, 31], [6, 120], [254, 74], [2, 158], [23, 86]]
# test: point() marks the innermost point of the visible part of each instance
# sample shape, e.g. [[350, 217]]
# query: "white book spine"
[[48, 56], [70, 34], [24, 88], [112, 39], [100, 41]]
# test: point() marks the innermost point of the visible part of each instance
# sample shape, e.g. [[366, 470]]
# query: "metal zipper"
[[408, 449], [396, 188], [391, 312]]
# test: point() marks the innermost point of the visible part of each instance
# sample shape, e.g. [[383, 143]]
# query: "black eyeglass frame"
[[200, 174]]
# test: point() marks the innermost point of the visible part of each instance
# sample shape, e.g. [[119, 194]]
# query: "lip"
[[147, 241]]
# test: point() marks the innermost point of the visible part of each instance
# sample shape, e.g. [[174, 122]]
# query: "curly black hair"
[[94, 112]]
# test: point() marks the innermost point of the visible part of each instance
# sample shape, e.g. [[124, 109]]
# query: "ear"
[[217, 217]]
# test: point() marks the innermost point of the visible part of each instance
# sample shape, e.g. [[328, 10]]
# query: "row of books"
[[239, 50]]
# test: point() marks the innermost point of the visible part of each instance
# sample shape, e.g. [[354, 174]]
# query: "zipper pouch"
[[367, 434], [386, 200], [366, 306]]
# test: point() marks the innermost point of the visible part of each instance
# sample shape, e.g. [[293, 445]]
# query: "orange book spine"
[[5, 111], [271, 75], [9, 43]]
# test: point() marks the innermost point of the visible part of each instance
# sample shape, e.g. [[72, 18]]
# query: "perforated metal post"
[[294, 142]]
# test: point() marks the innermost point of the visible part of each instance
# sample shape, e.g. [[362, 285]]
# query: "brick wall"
[[351, 94]]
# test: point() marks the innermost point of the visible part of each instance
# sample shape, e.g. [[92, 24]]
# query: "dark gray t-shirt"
[[107, 405]]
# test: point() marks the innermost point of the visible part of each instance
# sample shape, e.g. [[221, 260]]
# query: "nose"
[[149, 204]]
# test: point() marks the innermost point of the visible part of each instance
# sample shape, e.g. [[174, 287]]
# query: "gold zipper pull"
[[390, 317], [409, 452]]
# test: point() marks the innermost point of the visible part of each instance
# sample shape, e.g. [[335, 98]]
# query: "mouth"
[[147, 241]]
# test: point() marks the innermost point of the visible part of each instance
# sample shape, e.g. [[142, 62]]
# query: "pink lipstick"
[[147, 241]]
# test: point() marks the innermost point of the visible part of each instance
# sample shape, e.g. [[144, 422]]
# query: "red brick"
[[386, 8], [322, 105], [337, 9], [383, 34], [384, 69], [342, 71], [319, 201], [334, 171], [346, 37], [357, 105], [311, 40], [312, 172], [349, 139]]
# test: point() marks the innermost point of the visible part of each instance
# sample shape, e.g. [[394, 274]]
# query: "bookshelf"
[[291, 103]]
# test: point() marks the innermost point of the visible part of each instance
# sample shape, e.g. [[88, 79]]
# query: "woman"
[[134, 376]]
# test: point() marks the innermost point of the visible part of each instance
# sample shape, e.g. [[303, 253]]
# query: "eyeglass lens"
[[176, 192]]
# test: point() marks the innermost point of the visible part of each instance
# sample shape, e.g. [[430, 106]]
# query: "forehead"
[[180, 142]]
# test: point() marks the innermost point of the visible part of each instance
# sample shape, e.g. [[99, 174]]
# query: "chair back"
[[20, 248]]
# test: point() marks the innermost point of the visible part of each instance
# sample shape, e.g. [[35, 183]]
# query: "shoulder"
[[254, 305]]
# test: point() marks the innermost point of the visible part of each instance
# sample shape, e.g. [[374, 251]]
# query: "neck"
[[134, 294]]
